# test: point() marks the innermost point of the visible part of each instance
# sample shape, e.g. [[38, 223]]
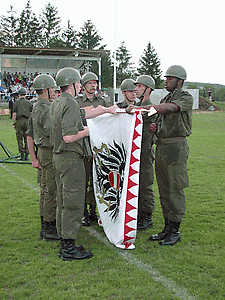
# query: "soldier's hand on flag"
[[112, 109], [131, 109]]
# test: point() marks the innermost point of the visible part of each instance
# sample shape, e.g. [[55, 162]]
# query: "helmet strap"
[[74, 89], [142, 96], [48, 94], [127, 97]]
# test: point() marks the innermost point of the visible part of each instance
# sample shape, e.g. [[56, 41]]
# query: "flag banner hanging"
[[116, 147]]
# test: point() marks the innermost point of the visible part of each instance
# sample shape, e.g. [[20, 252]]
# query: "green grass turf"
[[31, 269]]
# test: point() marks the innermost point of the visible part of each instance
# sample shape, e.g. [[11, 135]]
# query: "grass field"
[[191, 269]]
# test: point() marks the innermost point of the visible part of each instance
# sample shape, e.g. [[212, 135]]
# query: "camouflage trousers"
[[172, 178], [70, 179]]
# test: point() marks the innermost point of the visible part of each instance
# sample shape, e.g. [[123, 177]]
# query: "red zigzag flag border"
[[127, 229]]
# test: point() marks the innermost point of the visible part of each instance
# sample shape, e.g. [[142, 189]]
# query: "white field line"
[[125, 254]]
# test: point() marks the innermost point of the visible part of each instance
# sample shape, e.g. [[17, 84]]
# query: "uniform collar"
[[85, 98]]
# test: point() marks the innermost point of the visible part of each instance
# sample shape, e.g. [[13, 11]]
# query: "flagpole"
[[114, 75]]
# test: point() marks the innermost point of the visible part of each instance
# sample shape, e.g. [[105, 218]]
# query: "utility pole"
[[114, 76]]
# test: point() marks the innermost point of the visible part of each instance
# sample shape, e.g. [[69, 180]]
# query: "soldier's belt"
[[172, 140]]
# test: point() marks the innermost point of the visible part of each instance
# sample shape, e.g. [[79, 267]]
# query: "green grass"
[[31, 269]]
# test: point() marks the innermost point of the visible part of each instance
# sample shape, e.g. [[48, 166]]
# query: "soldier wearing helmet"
[[145, 84], [67, 135], [89, 97], [174, 125], [128, 90], [44, 85], [21, 113]]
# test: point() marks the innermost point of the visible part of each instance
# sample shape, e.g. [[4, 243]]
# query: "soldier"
[[45, 87], [172, 149], [128, 90], [21, 113], [67, 134], [145, 84], [89, 83]]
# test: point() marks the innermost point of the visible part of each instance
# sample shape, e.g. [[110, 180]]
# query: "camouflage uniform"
[[172, 154], [22, 107]]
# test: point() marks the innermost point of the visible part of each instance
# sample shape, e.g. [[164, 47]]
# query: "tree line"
[[46, 31]]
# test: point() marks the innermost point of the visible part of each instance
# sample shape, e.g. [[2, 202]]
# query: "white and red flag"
[[116, 147]]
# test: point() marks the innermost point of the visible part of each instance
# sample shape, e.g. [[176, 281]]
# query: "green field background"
[[191, 269]]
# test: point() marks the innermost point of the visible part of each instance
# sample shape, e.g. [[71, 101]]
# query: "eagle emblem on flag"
[[110, 161]]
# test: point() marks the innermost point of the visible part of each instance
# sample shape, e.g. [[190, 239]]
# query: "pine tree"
[[88, 38], [29, 31], [149, 64], [69, 36], [51, 24], [124, 67], [7, 28]]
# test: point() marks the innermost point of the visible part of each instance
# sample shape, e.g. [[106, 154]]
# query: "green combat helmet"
[[176, 71], [128, 85], [43, 81], [88, 77], [22, 91], [67, 76], [146, 80]]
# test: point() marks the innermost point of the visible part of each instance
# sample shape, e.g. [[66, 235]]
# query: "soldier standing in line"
[[45, 87], [21, 113], [89, 83], [67, 135], [129, 94], [145, 84], [174, 125]]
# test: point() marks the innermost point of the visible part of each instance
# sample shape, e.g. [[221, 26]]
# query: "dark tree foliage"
[[29, 31], [149, 64], [51, 25], [69, 36], [88, 37], [8, 26], [124, 67]]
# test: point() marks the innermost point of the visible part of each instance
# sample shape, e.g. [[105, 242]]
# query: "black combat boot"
[[71, 252], [160, 236], [144, 221], [173, 236], [51, 232], [42, 231], [92, 214], [86, 220], [61, 248]]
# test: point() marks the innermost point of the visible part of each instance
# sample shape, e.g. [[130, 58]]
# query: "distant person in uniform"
[[21, 113]]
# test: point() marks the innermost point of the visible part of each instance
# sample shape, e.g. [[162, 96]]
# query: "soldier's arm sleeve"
[[185, 102]]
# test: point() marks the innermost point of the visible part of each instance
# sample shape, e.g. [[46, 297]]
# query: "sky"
[[187, 33]]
